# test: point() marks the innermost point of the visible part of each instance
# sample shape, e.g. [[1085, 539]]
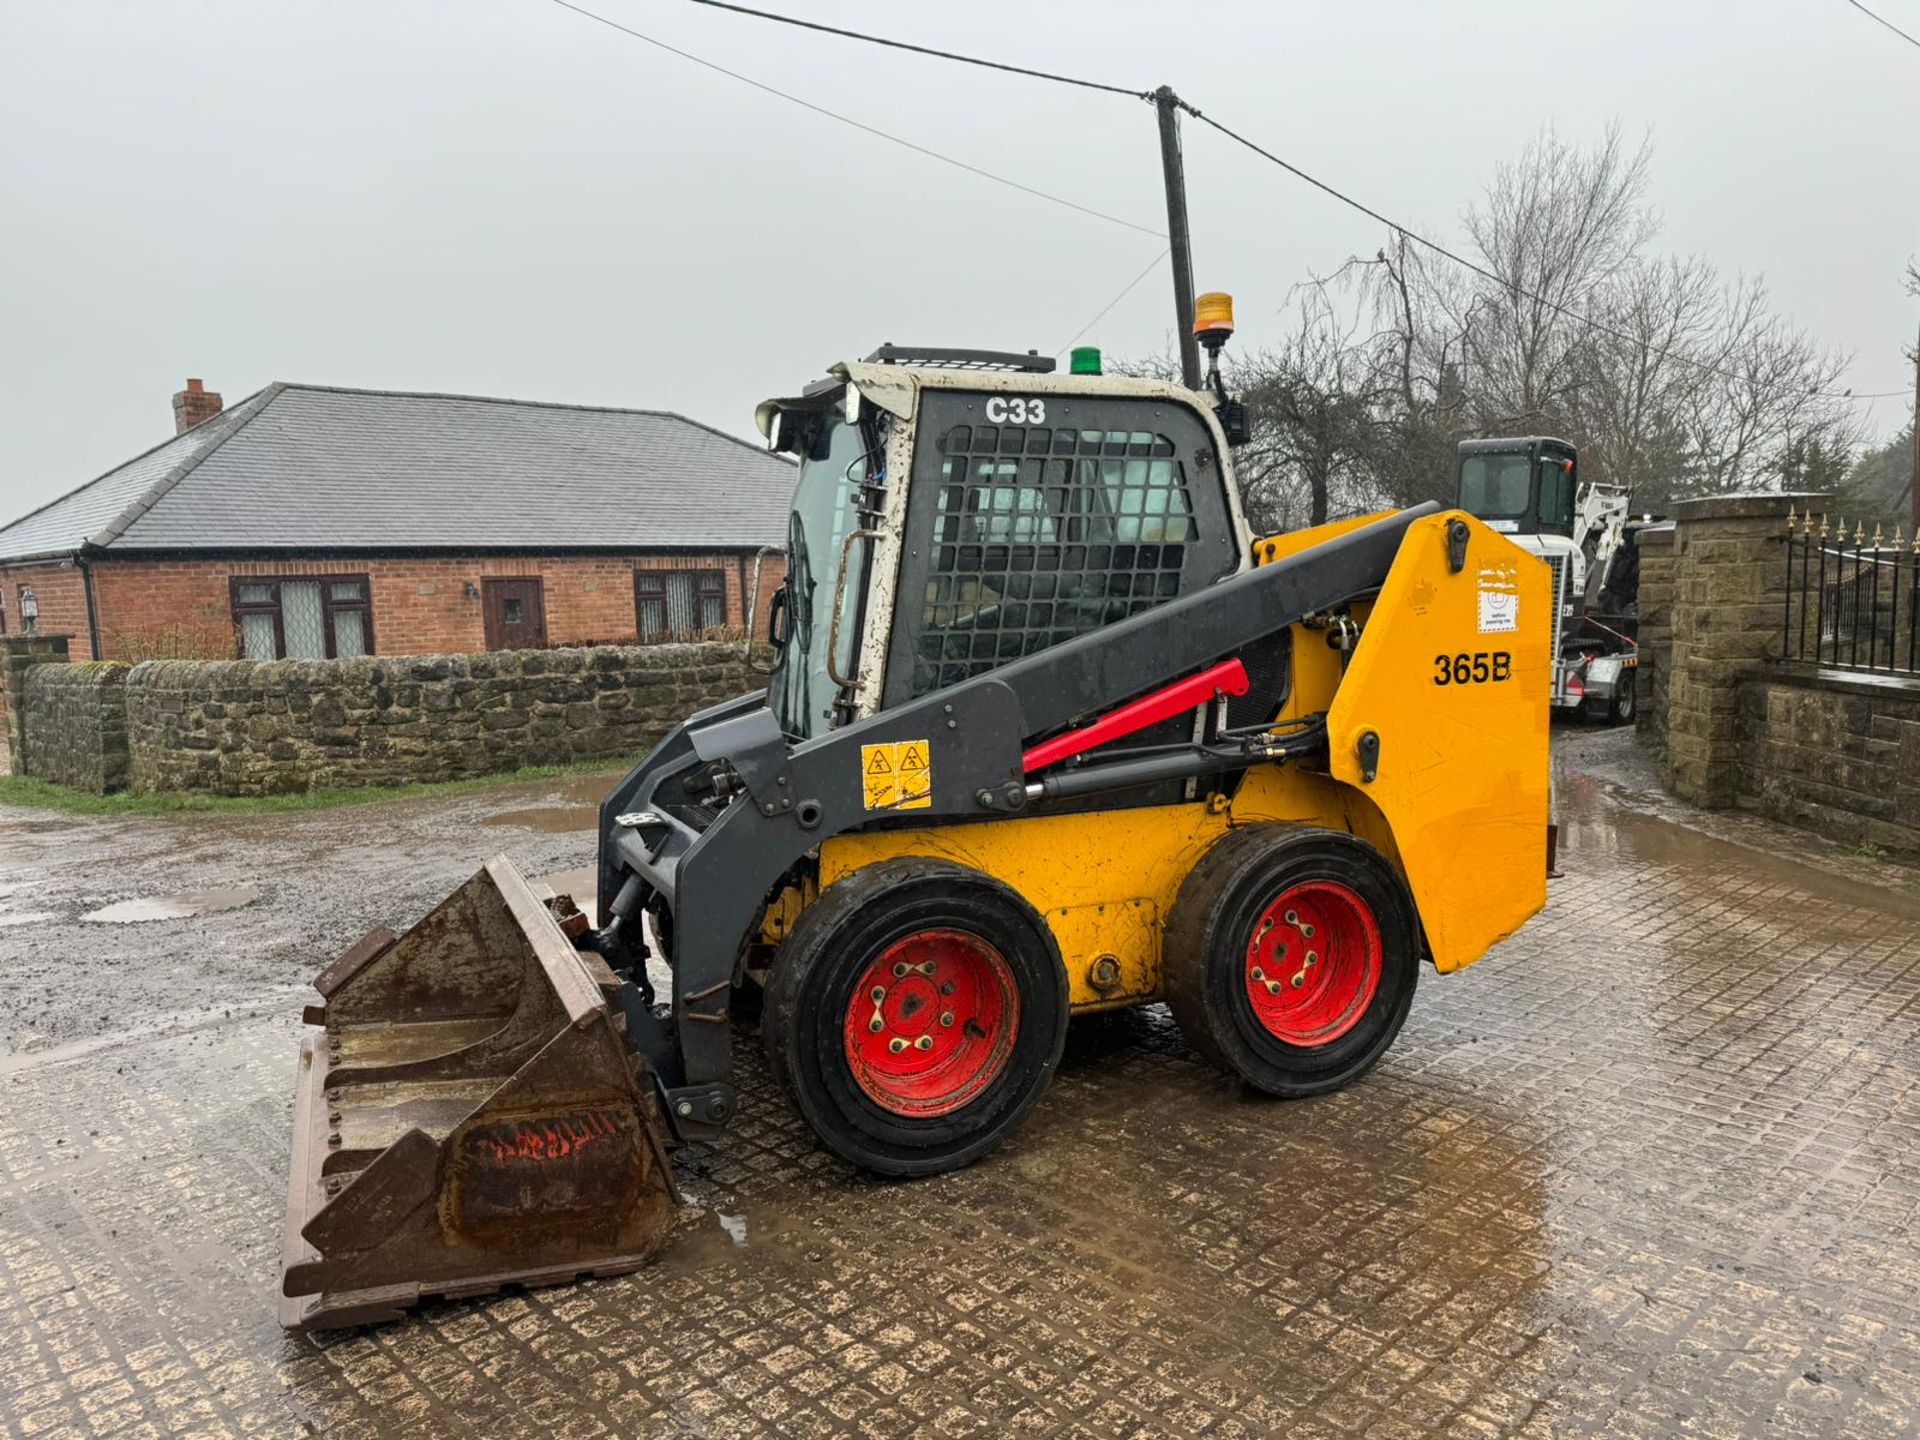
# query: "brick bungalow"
[[311, 521]]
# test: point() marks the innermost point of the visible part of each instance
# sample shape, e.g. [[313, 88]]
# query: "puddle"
[[1594, 823], [572, 805], [706, 1237], [181, 906], [547, 819]]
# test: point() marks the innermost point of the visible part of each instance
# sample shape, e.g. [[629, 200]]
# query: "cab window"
[[1496, 487], [1556, 493], [1025, 536]]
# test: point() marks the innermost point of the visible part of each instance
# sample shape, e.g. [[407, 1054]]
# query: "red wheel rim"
[[1313, 963], [931, 1022]]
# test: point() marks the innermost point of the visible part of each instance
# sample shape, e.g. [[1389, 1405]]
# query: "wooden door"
[[516, 613]]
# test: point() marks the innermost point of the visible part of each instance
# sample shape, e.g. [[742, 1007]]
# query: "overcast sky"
[[500, 197]]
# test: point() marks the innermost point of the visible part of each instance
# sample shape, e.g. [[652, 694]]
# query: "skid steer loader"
[[1048, 732]]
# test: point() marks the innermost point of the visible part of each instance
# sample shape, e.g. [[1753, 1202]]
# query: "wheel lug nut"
[[896, 1045], [877, 994], [925, 1042], [1293, 917], [876, 1025], [899, 969], [946, 987], [946, 1017], [1307, 930], [1299, 980], [1313, 957]]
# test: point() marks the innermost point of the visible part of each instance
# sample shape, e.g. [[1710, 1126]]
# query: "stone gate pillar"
[[18, 653], [1729, 582]]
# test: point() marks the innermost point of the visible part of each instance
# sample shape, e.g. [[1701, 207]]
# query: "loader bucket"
[[470, 1118]]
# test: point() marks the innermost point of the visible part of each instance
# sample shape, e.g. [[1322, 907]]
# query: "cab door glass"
[[1556, 495], [1022, 536]]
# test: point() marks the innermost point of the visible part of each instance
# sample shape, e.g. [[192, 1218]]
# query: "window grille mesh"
[[1046, 533], [256, 636], [680, 604], [301, 621], [349, 635]]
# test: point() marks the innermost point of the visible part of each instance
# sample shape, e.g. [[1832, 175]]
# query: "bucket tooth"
[[469, 1118]]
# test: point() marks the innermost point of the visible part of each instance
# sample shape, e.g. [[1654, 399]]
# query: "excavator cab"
[[1522, 486], [1049, 732]]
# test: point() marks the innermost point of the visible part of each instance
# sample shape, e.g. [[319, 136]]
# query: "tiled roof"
[[304, 467]]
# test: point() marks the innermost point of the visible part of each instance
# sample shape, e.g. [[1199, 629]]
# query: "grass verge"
[[24, 790]]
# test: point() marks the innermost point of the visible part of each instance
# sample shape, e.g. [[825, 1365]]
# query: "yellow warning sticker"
[[897, 775]]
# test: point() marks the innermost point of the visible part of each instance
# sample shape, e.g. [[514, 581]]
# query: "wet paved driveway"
[[1651, 1169]]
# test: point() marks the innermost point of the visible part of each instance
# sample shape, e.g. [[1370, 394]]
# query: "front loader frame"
[[714, 870]]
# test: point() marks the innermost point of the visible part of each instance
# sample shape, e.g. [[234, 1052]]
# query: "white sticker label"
[[1499, 600]]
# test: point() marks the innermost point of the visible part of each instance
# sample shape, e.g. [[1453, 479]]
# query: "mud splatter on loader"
[[1048, 732]]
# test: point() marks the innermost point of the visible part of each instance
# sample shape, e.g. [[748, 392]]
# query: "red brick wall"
[[183, 608], [61, 591]]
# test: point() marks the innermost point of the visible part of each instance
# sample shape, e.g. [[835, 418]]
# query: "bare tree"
[[1771, 392], [1312, 403], [1672, 380], [1557, 226], [1634, 371]]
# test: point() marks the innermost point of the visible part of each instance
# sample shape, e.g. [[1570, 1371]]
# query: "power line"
[[1236, 137], [858, 124], [1882, 20], [1484, 273], [1152, 265], [922, 49]]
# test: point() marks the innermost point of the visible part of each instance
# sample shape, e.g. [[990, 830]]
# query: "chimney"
[[194, 404]]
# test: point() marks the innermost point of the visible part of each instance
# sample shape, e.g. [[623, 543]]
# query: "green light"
[[1084, 361]]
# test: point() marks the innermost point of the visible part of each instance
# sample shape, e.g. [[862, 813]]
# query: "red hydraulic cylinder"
[[1229, 677]]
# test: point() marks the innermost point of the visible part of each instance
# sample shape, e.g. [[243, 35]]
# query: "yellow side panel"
[[1454, 674], [1459, 803], [1105, 881]]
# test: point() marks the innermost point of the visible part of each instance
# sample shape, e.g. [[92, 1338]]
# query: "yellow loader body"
[[1458, 803]]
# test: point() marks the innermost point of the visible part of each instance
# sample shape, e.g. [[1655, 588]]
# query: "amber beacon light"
[[1213, 319]]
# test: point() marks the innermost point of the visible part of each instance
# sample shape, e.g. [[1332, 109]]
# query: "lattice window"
[[678, 604], [1045, 533], [303, 618]]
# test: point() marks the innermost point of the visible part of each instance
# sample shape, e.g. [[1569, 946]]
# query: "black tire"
[[1626, 701], [1210, 979], [807, 1025]]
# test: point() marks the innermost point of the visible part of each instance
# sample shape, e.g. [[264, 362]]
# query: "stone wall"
[[1830, 750], [243, 728], [75, 717], [19, 654], [1835, 753]]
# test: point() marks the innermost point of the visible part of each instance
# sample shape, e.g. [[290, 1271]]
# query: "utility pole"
[[1175, 172]]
